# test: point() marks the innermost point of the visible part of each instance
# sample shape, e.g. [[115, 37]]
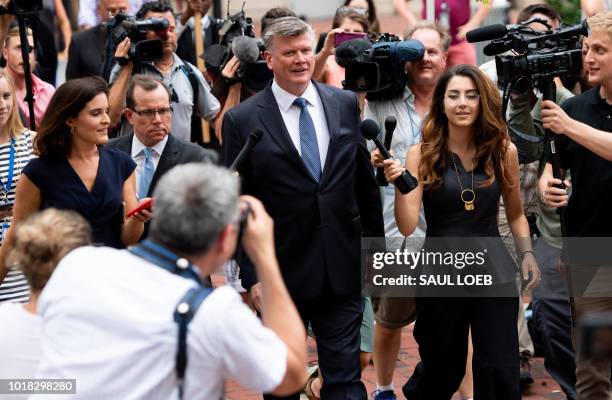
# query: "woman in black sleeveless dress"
[[464, 164]]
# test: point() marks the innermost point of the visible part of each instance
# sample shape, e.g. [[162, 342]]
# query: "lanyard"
[[415, 139], [6, 188]]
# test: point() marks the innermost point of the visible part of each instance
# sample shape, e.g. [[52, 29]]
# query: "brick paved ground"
[[544, 387]]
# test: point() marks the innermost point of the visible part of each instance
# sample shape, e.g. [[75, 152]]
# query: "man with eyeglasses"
[[86, 52], [190, 91], [41, 90], [151, 145]]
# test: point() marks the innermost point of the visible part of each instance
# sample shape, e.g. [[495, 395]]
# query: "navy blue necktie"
[[308, 140]]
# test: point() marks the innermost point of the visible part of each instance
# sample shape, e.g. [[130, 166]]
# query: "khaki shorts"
[[394, 312]]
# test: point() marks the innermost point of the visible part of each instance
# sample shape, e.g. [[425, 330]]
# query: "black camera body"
[[377, 66], [540, 55], [237, 38], [235, 25], [123, 25], [539, 66]]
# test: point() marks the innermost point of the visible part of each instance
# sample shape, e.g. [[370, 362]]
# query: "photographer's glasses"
[[150, 113], [454, 98]]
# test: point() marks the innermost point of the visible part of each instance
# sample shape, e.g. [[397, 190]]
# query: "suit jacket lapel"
[[167, 160], [332, 116], [124, 143], [272, 120]]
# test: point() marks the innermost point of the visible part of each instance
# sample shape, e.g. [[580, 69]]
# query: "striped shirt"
[[14, 288]]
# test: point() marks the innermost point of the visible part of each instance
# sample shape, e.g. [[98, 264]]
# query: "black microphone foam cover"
[[245, 49], [256, 134], [350, 51], [485, 33], [369, 129], [390, 123]]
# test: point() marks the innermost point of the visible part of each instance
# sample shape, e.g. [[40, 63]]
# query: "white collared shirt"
[[139, 157], [291, 117]]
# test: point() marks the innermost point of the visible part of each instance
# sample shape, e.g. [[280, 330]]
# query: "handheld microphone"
[[488, 32], [370, 130], [252, 140], [390, 124]]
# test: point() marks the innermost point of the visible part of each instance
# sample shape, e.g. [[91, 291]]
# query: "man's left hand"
[[554, 118]]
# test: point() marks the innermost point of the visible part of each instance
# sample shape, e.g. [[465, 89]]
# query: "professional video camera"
[[236, 37], [234, 26], [376, 65], [123, 25], [540, 56]]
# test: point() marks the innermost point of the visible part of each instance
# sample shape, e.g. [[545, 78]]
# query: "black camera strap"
[[189, 303]]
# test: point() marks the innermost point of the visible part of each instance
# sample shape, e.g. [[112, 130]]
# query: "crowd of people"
[[114, 213]]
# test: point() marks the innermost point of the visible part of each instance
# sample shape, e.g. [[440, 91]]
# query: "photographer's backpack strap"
[[183, 314], [189, 303], [193, 81]]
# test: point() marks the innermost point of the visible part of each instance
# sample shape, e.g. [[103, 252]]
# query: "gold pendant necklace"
[[467, 195]]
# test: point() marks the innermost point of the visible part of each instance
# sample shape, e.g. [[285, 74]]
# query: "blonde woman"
[[15, 152], [40, 243]]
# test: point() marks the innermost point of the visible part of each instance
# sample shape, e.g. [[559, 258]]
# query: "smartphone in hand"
[[346, 36], [146, 205]]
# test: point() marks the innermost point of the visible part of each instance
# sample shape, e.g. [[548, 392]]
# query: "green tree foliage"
[[569, 10]]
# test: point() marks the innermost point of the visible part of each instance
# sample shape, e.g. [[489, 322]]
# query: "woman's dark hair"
[[490, 133], [374, 24], [353, 16], [54, 137], [154, 6]]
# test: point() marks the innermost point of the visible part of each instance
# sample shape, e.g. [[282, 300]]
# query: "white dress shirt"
[[116, 336], [291, 117], [139, 157]]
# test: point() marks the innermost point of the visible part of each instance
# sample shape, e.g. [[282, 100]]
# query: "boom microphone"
[[245, 49], [350, 51], [370, 130], [252, 140], [390, 124], [488, 32]]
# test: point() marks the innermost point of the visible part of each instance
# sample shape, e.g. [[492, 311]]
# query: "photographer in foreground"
[[116, 335], [190, 91], [585, 149]]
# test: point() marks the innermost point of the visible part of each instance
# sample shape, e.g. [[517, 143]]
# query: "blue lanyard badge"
[[6, 187]]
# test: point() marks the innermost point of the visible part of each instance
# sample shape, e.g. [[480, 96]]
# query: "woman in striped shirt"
[[15, 152]]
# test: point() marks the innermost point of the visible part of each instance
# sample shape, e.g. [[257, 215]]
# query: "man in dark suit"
[[311, 171], [151, 145], [86, 51], [186, 42]]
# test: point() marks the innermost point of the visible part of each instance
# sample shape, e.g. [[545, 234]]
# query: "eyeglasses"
[[347, 10], [150, 114], [471, 98]]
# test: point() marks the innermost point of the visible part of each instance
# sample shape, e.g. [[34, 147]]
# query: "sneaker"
[[525, 376], [383, 395]]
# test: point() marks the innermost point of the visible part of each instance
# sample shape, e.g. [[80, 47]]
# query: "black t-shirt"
[[589, 211]]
